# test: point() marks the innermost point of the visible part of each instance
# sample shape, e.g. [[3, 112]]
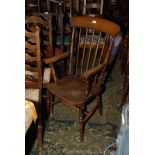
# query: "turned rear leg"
[[99, 102]]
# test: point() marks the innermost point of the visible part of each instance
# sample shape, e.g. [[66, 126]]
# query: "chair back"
[[93, 7], [88, 56], [44, 23], [32, 5], [33, 70]]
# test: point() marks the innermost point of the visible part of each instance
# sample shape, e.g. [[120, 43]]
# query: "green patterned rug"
[[62, 129]]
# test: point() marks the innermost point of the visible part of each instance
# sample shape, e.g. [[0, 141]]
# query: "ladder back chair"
[[84, 81], [45, 25], [33, 75], [46, 46]]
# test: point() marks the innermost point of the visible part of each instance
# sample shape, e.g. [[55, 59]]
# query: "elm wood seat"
[[70, 90], [84, 82], [33, 64]]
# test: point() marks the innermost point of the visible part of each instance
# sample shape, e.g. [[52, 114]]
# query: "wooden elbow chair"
[[84, 81]]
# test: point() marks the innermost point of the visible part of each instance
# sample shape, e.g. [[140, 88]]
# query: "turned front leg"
[[82, 124]]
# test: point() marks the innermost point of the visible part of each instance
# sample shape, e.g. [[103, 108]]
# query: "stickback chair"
[[33, 75], [84, 81]]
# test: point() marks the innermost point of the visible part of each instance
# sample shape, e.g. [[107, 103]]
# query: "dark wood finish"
[[96, 41], [33, 72], [124, 57], [84, 81], [94, 8], [57, 7], [125, 83], [45, 26], [32, 5], [116, 9], [32, 55], [44, 22], [125, 91], [123, 53], [62, 10]]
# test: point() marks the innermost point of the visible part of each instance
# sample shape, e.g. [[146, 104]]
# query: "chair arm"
[[56, 58], [89, 73], [86, 75]]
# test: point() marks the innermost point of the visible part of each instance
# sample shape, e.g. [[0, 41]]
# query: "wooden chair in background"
[[84, 82], [124, 58], [46, 45], [125, 85], [93, 8], [45, 25], [47, 49], [123, 53], [33, 75], [62, 11], [32, 5]]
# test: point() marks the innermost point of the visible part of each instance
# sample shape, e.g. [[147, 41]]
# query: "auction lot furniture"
[[86, 66]]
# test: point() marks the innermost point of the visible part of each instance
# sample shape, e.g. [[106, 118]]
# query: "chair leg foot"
[[52, 105], [123, 100], [40, 145], [48, 104], [125, 94], [99, 102], [82, 124], [82, 127]]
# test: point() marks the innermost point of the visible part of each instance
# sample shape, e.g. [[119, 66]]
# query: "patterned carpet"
[[62, 133]]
